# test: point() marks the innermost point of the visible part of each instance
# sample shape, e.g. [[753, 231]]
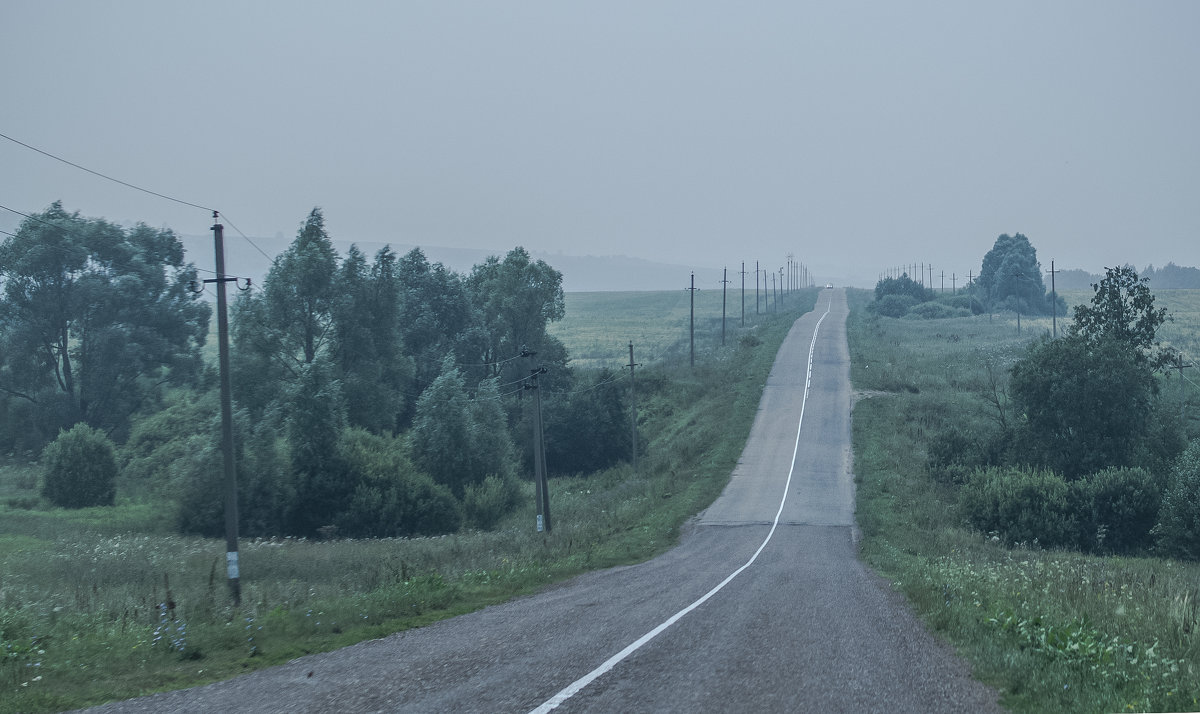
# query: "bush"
[[1178, 531], [390, 497], [893, 305], [1021, 506], [963, 302], [81, 469], [1118, 508], [486, 503], [935, 311]]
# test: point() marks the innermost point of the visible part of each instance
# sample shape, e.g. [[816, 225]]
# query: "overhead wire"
[[105, 176], [137, 188]]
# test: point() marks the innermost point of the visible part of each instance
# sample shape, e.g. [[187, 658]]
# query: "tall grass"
[[1052, 630], [106, 603]]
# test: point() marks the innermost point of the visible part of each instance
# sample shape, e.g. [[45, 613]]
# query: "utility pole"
[[782, 290], [953, 284], [539, 450], [943, 282], [1054, 302], [633, 409], [756, 287], [743, 293], [774, 295], [724, 285], [931, 276], [692, 323], [231, 504]]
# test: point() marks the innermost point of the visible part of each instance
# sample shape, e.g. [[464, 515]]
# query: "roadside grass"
[[1052, 630], [105, 603]]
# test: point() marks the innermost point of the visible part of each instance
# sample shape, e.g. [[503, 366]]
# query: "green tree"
[[517, 298], [587, 429], [1122, 309], [367, 345], [286, 326], [1011, 277], [1086, 405], [94, 318], [457, 439], [316, 416], [81, 469], [1178, 529]]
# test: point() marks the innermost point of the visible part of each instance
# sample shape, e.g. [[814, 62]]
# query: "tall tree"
[[367, 345], [285, 327], [517, 298], [457, 439], [1122, 308], [1011, 276], [94, 317]]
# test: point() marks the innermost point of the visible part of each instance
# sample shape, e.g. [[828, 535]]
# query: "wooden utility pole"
[[692, 323], [539, 451], [633, 410], [756, 287], [743, 293], [231, 504], [724, 284]]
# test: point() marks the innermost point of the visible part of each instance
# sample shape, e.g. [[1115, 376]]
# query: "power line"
[[105, 176]]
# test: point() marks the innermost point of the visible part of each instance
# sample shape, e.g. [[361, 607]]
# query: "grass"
[[1052, 630], [105, 603]]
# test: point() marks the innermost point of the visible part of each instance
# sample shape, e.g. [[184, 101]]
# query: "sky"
[[856, 136]]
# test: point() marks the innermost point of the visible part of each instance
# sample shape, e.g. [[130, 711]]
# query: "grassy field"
[[600, 326], [105, 603], [1052, 630]]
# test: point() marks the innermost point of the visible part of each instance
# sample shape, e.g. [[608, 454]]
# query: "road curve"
[[763, 605]]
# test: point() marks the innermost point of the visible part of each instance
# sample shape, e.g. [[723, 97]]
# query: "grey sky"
[[856, 135]]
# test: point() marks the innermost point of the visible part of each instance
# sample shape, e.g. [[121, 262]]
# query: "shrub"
[[963, 302], [893, 305], [81, 469], [1178, 531], [389, 496], [935, 311], [1021, 506], [1118, 508], [486, 503]]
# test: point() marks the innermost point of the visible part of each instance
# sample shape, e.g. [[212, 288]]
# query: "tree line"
[[374, 395]]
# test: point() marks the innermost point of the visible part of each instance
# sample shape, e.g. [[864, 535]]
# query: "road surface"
[[763, 606]]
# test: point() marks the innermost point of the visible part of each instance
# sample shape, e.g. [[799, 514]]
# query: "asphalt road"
[[762, 607]]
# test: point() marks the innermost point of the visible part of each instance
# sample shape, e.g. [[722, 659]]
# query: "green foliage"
[[902, 285], [1087, 404], [390, 497], [1011, 277], [1178, 528], [81, 469], [935, 311], [1122, 309], [1021, 506], [459, 440], [92, 317], [315, 419], [485, 504], [1117, 509], [893, 305], [517, 298], [587, 429]]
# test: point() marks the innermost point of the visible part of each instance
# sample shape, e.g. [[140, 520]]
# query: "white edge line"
[[575, 687]]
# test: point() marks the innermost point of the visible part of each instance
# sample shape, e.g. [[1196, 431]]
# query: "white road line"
[[576, 686]]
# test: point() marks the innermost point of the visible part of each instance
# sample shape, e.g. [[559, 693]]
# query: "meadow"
[[1052, 630], [99, 604]]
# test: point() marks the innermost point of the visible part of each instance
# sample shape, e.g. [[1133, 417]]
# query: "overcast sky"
[[857, 136]]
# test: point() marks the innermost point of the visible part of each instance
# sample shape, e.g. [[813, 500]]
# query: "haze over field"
[[858, 136]]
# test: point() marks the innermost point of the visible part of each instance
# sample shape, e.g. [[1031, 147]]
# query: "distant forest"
[[1168, 277]]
